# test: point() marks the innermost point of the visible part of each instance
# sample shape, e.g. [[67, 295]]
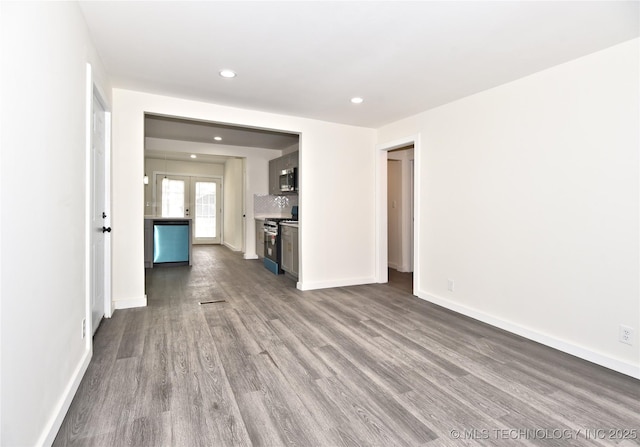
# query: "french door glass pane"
[[205, 224], [172, 198]]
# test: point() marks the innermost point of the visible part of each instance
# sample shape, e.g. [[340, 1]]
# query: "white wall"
[[529, 201], [45, 48], [233, 204], [333, 251]]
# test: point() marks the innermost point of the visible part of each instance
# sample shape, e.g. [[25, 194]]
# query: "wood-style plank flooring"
[[357, 366], [401, 280]]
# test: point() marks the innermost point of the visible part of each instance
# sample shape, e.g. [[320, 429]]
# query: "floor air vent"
[[212, 302]]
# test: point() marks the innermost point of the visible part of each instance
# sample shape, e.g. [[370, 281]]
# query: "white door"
[[99, 217], [207, 210], [173, 196]]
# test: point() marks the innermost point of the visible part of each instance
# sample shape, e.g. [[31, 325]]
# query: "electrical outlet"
[[84, 328], [626, 334], [450, 285]]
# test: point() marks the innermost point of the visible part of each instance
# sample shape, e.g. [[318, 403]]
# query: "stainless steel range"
[[272, 255], [272, 245]]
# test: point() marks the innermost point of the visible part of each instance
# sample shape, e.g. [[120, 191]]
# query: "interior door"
[[173, 195], [98, 214], [207, 210]]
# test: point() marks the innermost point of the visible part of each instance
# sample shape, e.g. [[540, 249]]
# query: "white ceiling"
[[309, 58]]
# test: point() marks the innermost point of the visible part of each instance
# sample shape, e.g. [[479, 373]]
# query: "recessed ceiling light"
[[227, 73], [217, 138], [193, 156], [357, 100]]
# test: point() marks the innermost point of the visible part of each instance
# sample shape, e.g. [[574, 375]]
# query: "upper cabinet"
[[276, 166], [290, 160], [274, 172]]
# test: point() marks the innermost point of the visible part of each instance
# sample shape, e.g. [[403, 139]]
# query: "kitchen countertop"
[[272, 216], [166, 218]]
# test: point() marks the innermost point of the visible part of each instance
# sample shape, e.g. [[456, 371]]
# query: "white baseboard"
[[400, 267], [337, 283], [614, 364], [129, 303], [230, 247], [250, 256], [53, 426]]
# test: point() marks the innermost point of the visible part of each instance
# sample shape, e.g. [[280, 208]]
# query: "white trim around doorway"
[[382, 255]]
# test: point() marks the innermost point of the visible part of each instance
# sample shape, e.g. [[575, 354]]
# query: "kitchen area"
[[211, 183], [276, 218]]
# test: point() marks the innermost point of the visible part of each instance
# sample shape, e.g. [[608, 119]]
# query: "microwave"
[[289, 180]]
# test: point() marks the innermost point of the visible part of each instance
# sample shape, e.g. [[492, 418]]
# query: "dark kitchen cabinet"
[[274, 176], [289, 251], [290, 160]]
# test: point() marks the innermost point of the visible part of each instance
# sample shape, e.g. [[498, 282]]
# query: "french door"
[[196, 197], [207, 210]]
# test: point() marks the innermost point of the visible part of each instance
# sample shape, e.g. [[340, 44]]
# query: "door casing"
[[382, 255], [93, 93]]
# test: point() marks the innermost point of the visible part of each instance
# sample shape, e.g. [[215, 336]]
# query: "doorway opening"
[[209, 174], [400, 217], [411, 199]]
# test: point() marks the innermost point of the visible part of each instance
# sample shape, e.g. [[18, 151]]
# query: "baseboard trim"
[[589, 355], [250, 256], [400, 267], [336, 283], [54, 424], [230, 247], [129, 303]]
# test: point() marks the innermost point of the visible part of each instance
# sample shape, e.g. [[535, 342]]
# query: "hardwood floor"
[[401, 280], [357, 366]]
